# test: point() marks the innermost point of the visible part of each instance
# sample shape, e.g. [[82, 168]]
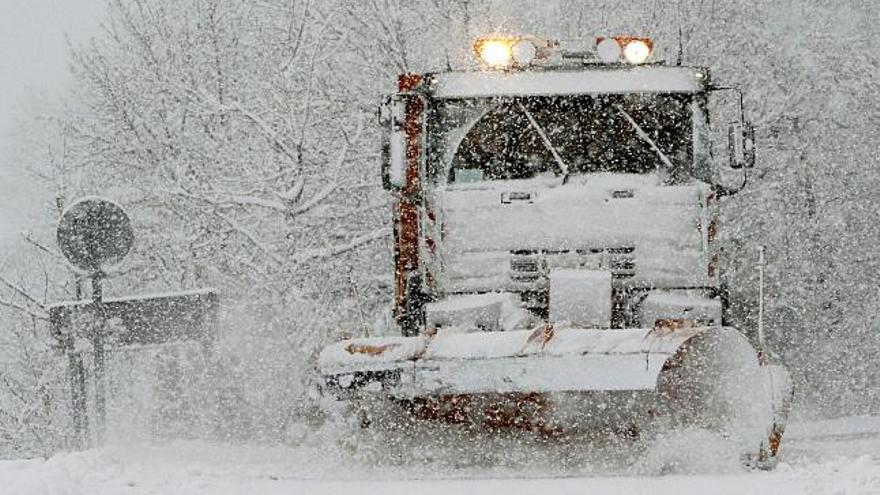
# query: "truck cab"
[[580, 186]]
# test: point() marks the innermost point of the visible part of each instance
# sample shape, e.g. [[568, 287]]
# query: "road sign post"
[[100, 322], [95, 234]]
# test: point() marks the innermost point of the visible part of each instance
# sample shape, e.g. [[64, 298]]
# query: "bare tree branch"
[[338, 249], [24, 309], [23, 293]]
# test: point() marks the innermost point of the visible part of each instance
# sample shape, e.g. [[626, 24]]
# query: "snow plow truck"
[[555, 259]]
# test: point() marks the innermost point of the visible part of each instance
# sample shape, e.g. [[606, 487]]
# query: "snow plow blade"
[[566, 360], [567, 380], [542, 360]]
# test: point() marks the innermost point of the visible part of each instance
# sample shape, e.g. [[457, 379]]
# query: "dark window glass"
[[502, 138]]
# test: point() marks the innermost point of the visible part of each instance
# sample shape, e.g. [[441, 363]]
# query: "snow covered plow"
[[571, 380], [556, 263], [520, 361]]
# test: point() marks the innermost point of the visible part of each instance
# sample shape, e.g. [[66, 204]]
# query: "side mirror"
[[741, 145], [392, 114]]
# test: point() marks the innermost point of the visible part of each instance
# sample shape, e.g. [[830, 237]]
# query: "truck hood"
[[658, 227]]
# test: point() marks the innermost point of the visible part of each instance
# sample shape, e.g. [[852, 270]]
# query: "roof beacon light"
[[609, 50], [505, 52], [524, 52], [629, 49], [496, 53], [637, 51]]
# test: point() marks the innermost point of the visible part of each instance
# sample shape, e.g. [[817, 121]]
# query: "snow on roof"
[[546, 83]]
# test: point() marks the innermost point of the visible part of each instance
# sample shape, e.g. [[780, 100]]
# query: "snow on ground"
[[826, 457]]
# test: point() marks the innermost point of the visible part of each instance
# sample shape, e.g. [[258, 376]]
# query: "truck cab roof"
[[589, 80]]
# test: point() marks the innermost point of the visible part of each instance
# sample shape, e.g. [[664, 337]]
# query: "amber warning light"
[[631, 49], [506, 52]]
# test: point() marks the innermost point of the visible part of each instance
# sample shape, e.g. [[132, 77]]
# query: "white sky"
[[34, 59]]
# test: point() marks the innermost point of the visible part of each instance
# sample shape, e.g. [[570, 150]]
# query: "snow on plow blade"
[[545, 360]]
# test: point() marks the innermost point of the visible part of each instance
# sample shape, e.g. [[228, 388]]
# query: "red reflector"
[[713, 265], [408, 82]]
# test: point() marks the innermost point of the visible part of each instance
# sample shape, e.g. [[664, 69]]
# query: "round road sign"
[[94, 233]]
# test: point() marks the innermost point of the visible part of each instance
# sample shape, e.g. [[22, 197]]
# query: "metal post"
[[98, 347], [761, 342], [77, 377], [77, 380]]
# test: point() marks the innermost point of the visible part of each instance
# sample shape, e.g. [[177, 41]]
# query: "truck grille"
[[622, 262], [533, 267], [525, 268]]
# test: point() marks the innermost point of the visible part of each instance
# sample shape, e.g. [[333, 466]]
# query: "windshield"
[[523, 138]]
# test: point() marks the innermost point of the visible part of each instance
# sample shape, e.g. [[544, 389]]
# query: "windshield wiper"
[[645, 137], [546, 141]]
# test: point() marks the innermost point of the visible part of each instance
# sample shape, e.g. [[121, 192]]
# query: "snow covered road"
[[829, 457]]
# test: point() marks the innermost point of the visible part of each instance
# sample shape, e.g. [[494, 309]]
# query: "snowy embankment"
[[834, 457]]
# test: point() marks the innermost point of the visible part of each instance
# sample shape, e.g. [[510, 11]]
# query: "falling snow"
[[552, 321]]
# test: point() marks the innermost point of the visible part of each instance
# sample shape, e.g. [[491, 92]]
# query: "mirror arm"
[[722, 191]]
